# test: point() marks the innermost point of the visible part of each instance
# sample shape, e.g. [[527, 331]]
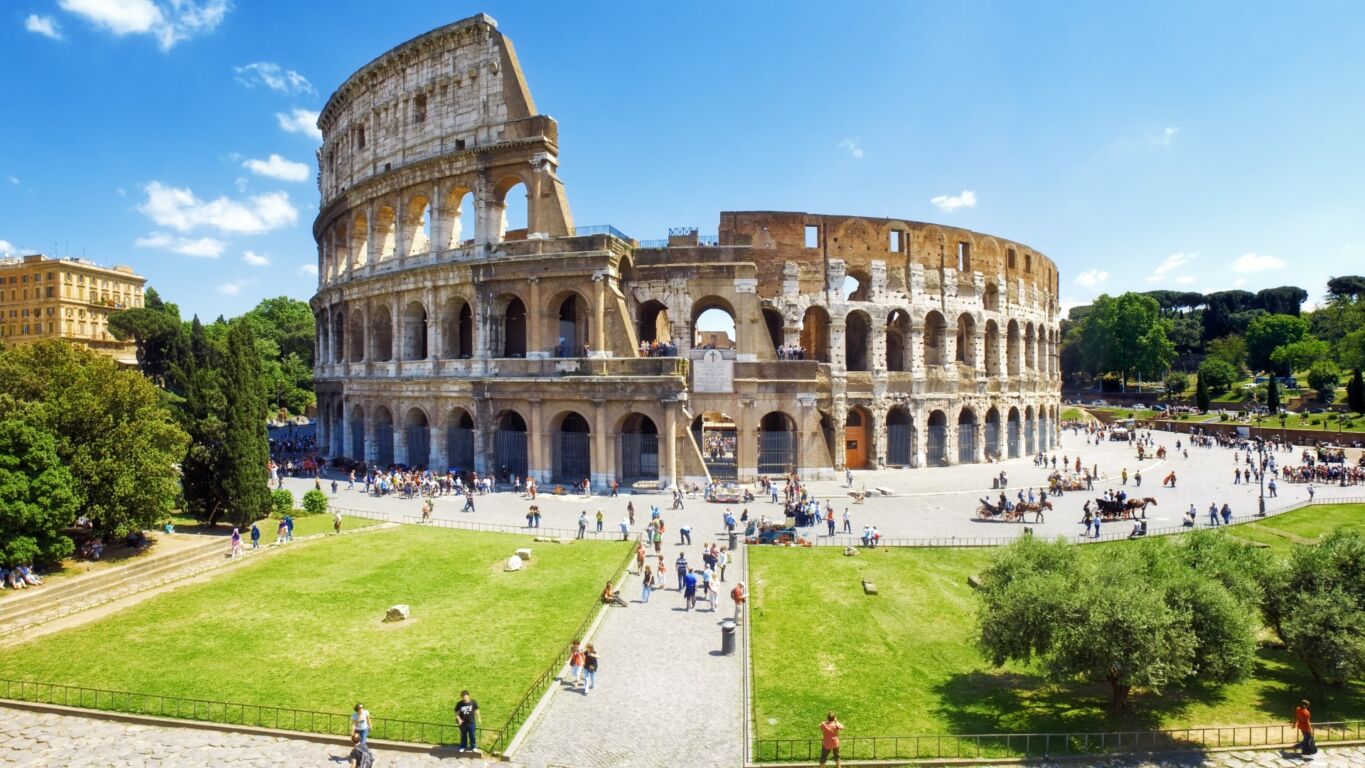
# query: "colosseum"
[[786, 342]]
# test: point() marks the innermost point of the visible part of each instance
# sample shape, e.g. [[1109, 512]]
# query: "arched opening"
[[857, 341], [815, 334], [417, 438], [713, 327], [513, 328], [384, 232], [360, 244], [338, 353], [772, 320], [1030, 432], [457, 329], [1030, 348], [357, 336], [966, 340], [381, 335], [357, 446], [509, 446], [459, 218], [899, 438], [572, 314], [828, 433], [897, 332], [992, 348], [1012, 433], [857, 430], [414, 331], [340, 255], [638, 449], [992, 446], [966, 436], [936, 446], [654, 328], [417, 225], [935, 328], [990, 300], [717, 439], [383, 436], [460, 441], [1012, 348], [572, 449], [776, 444], [337, 445], [511, 210], [857, 286]]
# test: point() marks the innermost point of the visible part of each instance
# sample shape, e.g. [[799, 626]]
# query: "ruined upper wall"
[[455, 88], [858, 241]]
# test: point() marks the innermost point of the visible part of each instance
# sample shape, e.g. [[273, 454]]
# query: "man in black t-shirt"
[[467, 717], [360, 755]]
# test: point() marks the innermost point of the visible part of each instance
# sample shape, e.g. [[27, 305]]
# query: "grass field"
[[303, 629], [903, 662]]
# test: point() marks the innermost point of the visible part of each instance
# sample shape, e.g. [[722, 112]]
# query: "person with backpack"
[[589, 668], [360, 755], [467, 717], [739, 594]]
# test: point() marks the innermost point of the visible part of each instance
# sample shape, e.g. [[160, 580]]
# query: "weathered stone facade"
[[520, 351]]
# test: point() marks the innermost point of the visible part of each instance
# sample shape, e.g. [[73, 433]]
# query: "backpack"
[[366, 759]]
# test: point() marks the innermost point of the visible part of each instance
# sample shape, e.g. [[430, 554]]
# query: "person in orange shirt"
[[1303, 722], [829, 739]]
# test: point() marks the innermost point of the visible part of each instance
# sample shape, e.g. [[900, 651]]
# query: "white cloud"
[[1164, 138], [1257, 262], [274, 77], [854, 148], [233, 287], [180, 210], [1183, 279], [13, 180], [256, 259], [309, 269], [43, 25], [170, 21], [1170, 264], [950, 203], [6, 248], [299, 120], [277, 167], [203, 247], [1092, 278], [1239, 282]]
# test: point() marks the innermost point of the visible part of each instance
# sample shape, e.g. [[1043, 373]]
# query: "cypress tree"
[[1201, 394], [1272, 395], [1355, 392], [243, 476], [202, 417]]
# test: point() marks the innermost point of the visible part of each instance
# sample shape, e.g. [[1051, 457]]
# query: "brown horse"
[[1035, 508], [1138, 505]]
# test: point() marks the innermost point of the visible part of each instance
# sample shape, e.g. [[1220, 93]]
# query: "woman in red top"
[[829, 739], [1303, 722]]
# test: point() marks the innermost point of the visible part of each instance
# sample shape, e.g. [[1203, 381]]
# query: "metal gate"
[[357, 440], [936, 448], [509, 453], [573, 456], [336, 448], [992, 447], [419, 445], [1013, 437], [898, 444], [966, 444], [460, 448], [1029, 445], [639, 457], [776, 453], [383, 444]]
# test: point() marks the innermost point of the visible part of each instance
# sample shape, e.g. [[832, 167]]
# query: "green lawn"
[[903, 662], [302, 628]]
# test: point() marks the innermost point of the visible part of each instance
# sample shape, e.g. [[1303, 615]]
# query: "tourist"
[[575, 664], [1310, 492], [582, 523], [288, 527], [281, 533], [739, 594], [829, 524], [1303, 723], [1227, 514], [630, 511], [255, 536], [848, 522], [722, 560], [336, 522], [599, 521], [689, 580], [612, 597], [625, 532], [712, 591], [589, 669], [829, 739], [659, 573], [681, 566], [467, 717], [646, 583], [360, 755], [236, 544], [685, 534], [360, 723], [1213, 513]]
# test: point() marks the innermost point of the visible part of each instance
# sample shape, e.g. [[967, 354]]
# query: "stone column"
[[979, 432], [434, 330], [324, 428], [914, 349], [840, 417], [668, 467], [535, 317], [396, 328], [919, 435], [438, 461], [538, 466], [878, 336], [978, 342], [533, 223], [438, 220], [400, 440], [484, 427], [599, 281], [877, 434], [603, 464], [747, 317], [746, 437], [346, 437], [836, 345], [372, 250]]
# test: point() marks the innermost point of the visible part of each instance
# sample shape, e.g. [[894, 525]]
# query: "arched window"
[[857, 341], [966, 437], [414, 331], [383, 436], [572, 327], [815, 334], [460, 441], [357, 336], [457, 329], [510, 210], [381, 335], [637, 449], [966, 340], [360, 244], [458, 218], [513, 328], [417, 225], [385, 235], [935, 329], [714, 328]]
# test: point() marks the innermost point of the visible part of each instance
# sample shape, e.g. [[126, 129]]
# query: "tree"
[[1272, 395], [1125, 335], [1316, 603], [1355, 393], [1284, 300], [1231, 348], [1267, 333], [1217, 375], [1176, 382], [243, 474], [1323, 378], [112, 428], [38, 497], [1347, 288], [1300, 355], [281, 501], [201, 414], [1201, 393], [1351, 349], [1228, 312], [155, 330]]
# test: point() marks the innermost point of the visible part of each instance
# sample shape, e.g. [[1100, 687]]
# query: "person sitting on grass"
[[612, 597]]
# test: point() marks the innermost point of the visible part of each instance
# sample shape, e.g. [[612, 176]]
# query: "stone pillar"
[[438, 220], [599, 293], [878, 336], [346, 436], [668, 466], [791, 335], [877, 434], [836, 346], [400, 440], [434, 330], [919, 436], [324, 429], [372, 250], [978, 342], [747, 317], [396, 328], [914, 349], [537, 463], [533, 223], [746, 437], [840, 418], [979, 431], [535, 318], [437, 460], [603, 464], [484, 427]]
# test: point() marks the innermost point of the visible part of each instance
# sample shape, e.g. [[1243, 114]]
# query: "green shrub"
[[314, 502], [281, 502]]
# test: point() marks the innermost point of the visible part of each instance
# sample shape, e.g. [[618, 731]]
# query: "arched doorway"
[[935, 331], [992, 447], [897, 331], [513, 328], [713, 327], [1012, 433], [417, 438], [383, 436], [572, 327], [772, 320], [936, 444], [856, 444], [457, 329], [357, 446], [857, 341], [966, 437], [654, 325], [509, 446], [899, 438], [572, 449], [717, 439], [638, 445], [1044, 443], [815, 334], [776, 444], [414, 331], [337, 447], [460, 441], [1030, 432]]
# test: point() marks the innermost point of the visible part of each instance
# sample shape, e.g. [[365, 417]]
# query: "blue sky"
[[1192, 146]]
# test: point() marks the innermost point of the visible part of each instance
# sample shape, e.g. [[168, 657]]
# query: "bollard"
[[727, 637], [734, 540]]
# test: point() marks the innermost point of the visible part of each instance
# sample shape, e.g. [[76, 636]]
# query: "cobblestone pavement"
[[665, 695], [1327, 757], [50, 740]]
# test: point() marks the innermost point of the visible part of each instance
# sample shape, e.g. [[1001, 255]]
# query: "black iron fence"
[[1017, 745]]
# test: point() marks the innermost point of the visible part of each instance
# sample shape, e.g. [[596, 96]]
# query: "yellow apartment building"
[[43, 298]]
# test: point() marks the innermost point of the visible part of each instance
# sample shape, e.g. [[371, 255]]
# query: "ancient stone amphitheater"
[[786, 342]]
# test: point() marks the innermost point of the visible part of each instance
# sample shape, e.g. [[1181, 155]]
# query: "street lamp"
[[1260, 473]]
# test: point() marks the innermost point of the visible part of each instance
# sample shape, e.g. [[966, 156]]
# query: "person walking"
[[360, 724], [281, 533], [467, 717], [288, 527], [829, 524], [646, 584], [255, 536], [599, 521], [575, 664], [336, 522], [640, 557], [689, 591], [589, 669], [236, 544], [739, 594], [681, 566], [1213, 513], [1303, 722], [829, 739], [1310, 492], [848, 522], [582, 523]]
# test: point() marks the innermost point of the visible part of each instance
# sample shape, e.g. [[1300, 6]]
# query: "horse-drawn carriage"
[[1116, 509], [1011, 513]]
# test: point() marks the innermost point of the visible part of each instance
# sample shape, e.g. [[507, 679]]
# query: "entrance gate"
[[639, 457], [992, 439], [898, 444], [1013, 439], [573, 456], [776, 453], [509, 453], [460, 449], [966, 443], [936, 447]]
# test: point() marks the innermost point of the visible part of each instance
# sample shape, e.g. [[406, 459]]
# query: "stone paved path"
[[1327, 757], [665, 697], [45, 739]]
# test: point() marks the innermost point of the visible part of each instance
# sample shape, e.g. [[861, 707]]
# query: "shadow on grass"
[[1286, 680]]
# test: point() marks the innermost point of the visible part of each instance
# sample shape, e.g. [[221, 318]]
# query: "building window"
[[419, 108], [812, 236], [964, 256], [360, 137], [1028, 262], [1009, 254]]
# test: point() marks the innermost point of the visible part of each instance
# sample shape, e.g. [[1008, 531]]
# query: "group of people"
[[658, 349], [791, 352], [19, 576]]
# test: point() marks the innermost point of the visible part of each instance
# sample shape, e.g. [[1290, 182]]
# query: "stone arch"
[[991, 449], [990, 299], [337, 353], [357, 336], [777, 439], [381, 334], [858, 341], [1030, 432], [897, 341], [356, 450], [417, 225], [509, 445], [458, 218], [936, 446], [935, 338], [570, 313], [719, 332], [992, 345], [772, 321], [654, 323], [383, 436], [572, 447], [415, 331], [460, 440], [966, 436], [966, 340], [340, 252], [417, 437], [511, 221], [1013, 433], [457, 329], [900, 442], [385, 233], [1012, 344], [815, 334], [360, 243], [637, 445], [509, 326], [857, 284]]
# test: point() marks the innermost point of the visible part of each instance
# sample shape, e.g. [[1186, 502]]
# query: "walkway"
[[665, 695]]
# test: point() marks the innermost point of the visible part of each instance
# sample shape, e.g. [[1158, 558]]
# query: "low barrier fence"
[[230, 713], [1051, 745]]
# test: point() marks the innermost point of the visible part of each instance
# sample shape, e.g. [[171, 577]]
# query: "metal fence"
[[509, 452], [966, 443], [898, 444], [1012, 437], [460, 448], [230, 713], [639, 456], [992, 446], [609, 533], [1030, 435], [1050, 745], [936, 447], [600, 229], [573, 456], [776, 453], [417, 438]]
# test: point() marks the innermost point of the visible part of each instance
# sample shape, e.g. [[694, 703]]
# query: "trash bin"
[[727, 637], [995, 483], [734, 540]]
